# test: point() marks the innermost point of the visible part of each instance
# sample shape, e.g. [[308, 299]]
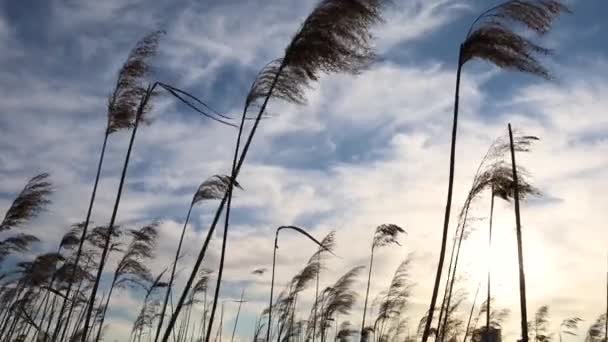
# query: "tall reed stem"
[[447, 286], [274, 260], [453, 277], [466, 332], [489, 298], [238, 312], [369, 280], [172, 277], [106, 248], [58, 326], [74, 303], [314, 320], [448, 207], [105, 310], [520, 254]]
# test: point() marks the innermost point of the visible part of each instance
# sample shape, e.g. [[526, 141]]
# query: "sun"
[[502, 260]]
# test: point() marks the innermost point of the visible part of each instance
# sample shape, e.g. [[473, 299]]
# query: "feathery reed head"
[[497, 316], [340, 297], [345, 332], [30, 202], [72, 237], [16, 244], [202, 283], [495, 40], [131, 267], [570, 325], [38, 271], [214, 187], [387, 234], [130, 88], [305, 276], [500, 180], [335, 38], [328, 244], [596, 331], [69, 272], [394, 301], [502, 145], [99, 234]]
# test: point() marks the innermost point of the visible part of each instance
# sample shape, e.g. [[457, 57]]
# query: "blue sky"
[[364, 151]]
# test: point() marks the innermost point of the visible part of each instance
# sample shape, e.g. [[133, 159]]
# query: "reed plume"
[[147, 313], [29, 203], [569, 326], [39, 271], [345, 332], [297, 284], [329, 243], [335, 38], [393, 302], [213, 188], [18, 243], [131, 268], [385, 234], [71, 238], [540, 325], [338, 298], [130, 85], [497, 319], [492, 37], [597, 332], [497, 316]]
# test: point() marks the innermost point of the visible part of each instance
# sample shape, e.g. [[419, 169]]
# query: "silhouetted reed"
[[299, 283], [393, 304], [212, 188], [386, 234], [27, 205], [131, 269], [597, 332]]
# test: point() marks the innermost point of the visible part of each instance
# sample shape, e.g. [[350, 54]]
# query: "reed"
[[386, 234]]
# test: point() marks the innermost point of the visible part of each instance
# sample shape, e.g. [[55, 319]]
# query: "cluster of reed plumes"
[[55, 296]]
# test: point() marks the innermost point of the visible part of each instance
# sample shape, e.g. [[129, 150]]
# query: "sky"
[[365, 150]]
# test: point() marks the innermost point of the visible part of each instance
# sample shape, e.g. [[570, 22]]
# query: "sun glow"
[[502, 258]]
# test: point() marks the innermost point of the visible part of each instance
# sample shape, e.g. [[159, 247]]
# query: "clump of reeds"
[[335, 38], [493, 37]]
